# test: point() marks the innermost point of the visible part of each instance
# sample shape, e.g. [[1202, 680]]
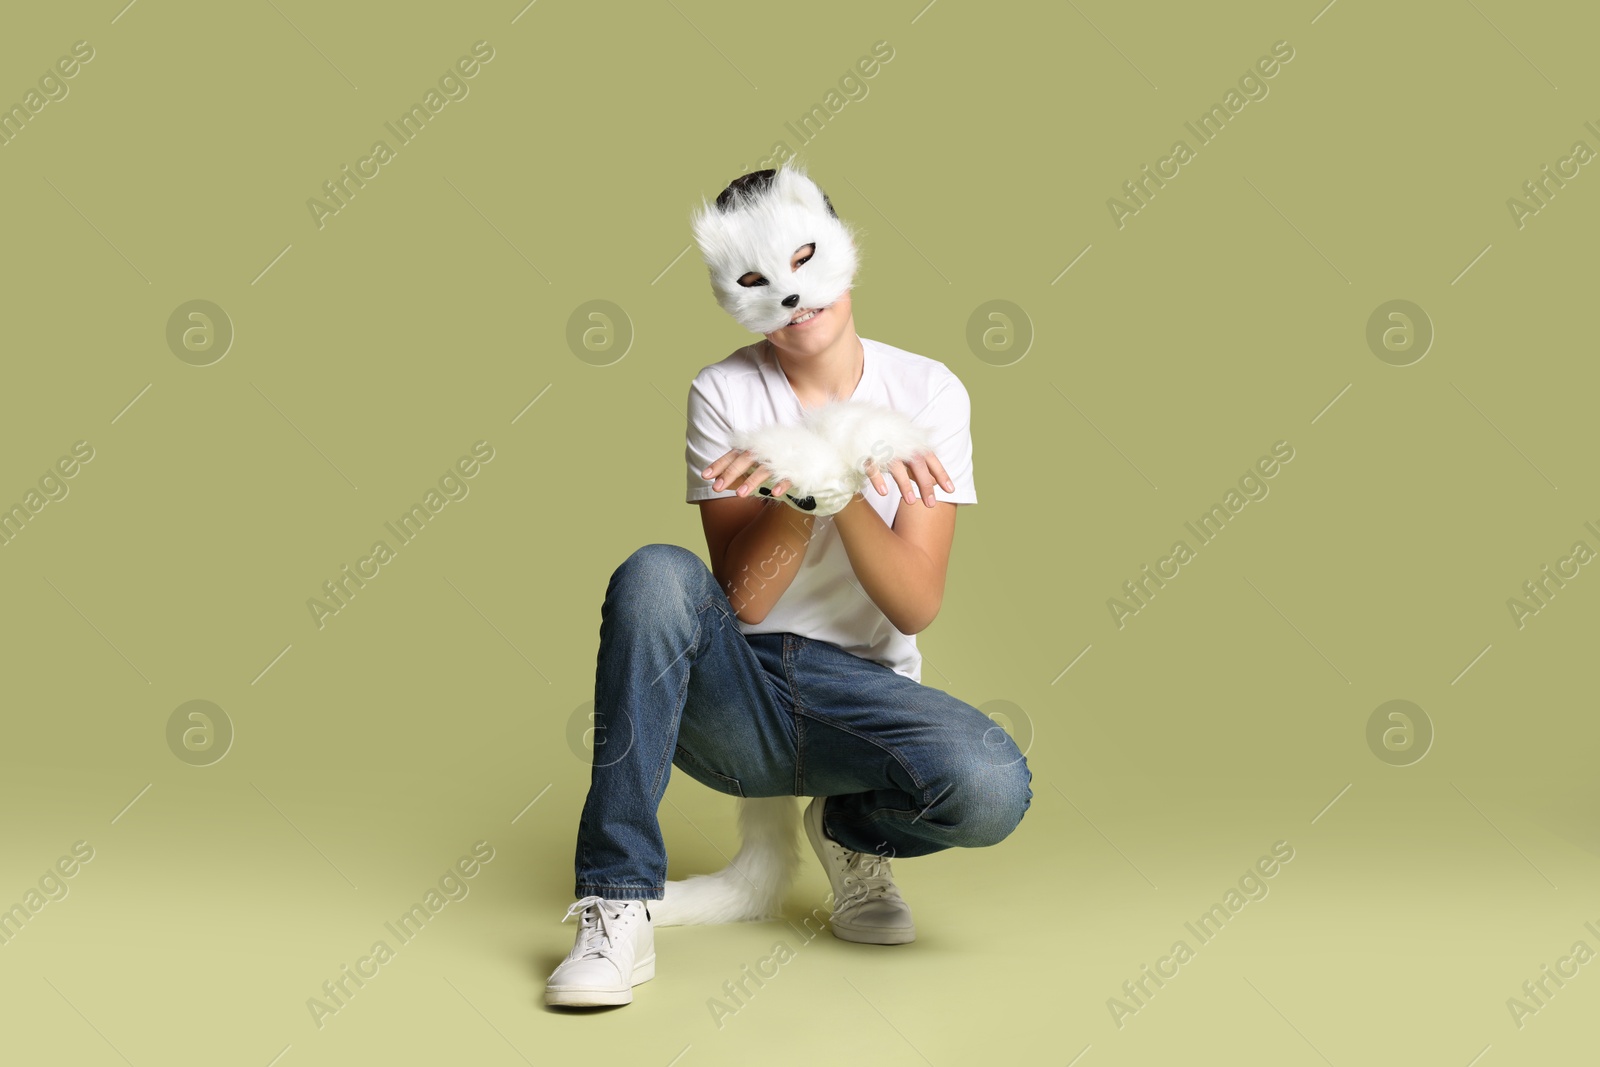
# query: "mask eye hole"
[[800, 258]]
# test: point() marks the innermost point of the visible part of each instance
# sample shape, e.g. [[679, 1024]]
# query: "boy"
[[789, 667]]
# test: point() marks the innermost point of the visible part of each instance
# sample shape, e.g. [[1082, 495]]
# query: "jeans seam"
[[667, 752], [700, 765], [620, 885], [797, 711], [870, 821], [791, 645], [868, 818], [799, 752], [659, 889], [876, 743], [779, 699]]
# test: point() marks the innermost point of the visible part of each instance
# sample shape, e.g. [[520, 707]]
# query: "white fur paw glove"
[[826, 457]]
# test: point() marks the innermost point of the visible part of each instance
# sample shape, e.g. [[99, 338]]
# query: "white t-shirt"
[[826, 601]]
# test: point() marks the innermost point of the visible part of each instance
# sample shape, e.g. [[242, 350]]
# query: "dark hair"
[[750, 186]]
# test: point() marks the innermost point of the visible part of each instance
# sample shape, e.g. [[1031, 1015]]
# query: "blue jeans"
[[906, 769]]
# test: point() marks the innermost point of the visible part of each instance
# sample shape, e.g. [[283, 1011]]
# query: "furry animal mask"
[[825, 457], [754, 235]]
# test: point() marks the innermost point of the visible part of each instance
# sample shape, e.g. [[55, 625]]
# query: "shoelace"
[[599, 917], [872, 871]]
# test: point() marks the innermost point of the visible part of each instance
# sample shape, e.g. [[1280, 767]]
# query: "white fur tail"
[[752, 887]]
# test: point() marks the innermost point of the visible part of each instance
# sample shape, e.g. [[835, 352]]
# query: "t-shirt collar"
[[773, 369]]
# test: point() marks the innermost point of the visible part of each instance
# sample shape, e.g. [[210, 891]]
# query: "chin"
[[811, 342]]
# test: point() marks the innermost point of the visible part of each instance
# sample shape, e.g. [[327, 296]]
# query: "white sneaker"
[[615, 951], [866, 904]]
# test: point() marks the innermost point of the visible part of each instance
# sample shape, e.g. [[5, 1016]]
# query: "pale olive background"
[[369, 355]]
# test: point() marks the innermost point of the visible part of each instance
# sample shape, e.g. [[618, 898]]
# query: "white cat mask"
[[757, 232]]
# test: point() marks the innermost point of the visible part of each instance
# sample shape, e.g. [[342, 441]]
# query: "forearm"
[[762, 560], [897, 575]]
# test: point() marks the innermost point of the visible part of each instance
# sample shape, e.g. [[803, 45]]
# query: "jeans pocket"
[[685, 760]]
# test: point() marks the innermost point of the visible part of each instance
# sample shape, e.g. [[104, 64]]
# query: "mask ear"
[[795, 188]]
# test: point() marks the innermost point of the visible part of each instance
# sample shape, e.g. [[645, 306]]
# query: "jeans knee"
[[655, 577], [993, 797]]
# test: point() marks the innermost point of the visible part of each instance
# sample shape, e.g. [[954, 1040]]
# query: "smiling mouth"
[[806, 315]]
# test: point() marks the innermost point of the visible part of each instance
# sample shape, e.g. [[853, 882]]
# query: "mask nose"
[[791, 300]]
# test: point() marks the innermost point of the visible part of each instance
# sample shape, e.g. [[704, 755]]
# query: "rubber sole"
[[578, 997], [874, 935]]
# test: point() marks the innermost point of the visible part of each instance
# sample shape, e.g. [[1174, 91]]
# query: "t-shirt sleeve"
[[949, 417], [708, 436]]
